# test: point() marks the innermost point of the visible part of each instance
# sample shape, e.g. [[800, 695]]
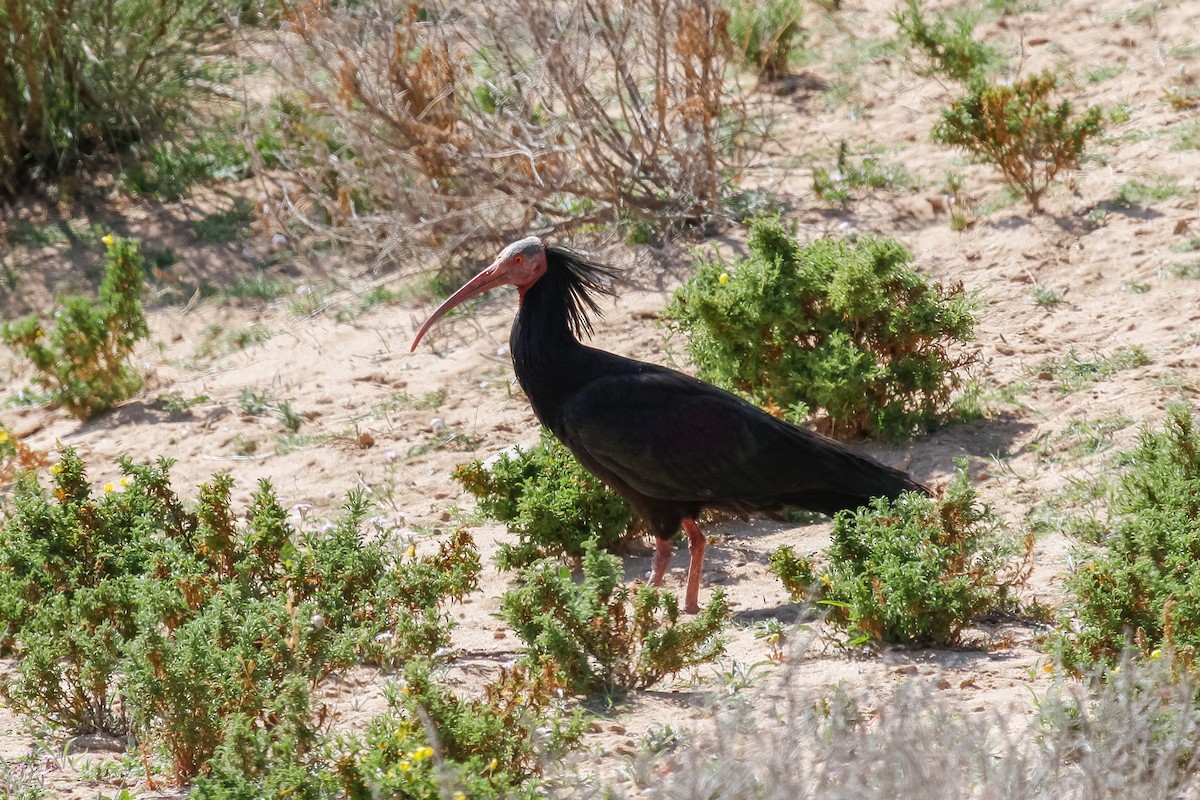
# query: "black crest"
[[579, 281]]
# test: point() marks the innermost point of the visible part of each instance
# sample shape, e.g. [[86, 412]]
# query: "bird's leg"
[[696, 542], [662, 560]]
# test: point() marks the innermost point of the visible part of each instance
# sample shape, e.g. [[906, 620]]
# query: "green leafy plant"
[[844, 328], [765, 32], [918, 569], [604, 636], [552, 504], [947, 41], [1139, 587], [797, 573], [82, 361], [128, 612], [1017, 129]]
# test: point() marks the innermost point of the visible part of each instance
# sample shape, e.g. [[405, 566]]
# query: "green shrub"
[[88, 75], [603, 636], [797, 574], [552, 504], [918, 569], [765, 32], [947, 41], [82, 361], [284, 759], [1015, 127], [844, 328], [132, 613], [1141, 586]]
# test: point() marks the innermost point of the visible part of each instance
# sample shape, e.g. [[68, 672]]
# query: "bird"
[[670, 444]]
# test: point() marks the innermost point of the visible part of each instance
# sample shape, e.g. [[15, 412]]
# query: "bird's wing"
[[671, 437]]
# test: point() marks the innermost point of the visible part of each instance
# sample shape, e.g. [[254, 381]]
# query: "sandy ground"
[[1116, 268]]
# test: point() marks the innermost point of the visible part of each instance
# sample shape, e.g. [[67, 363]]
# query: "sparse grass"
[[259, 286], [1073, 372], [28, 234], [1189, 271], [1187, 136], [257, 403], [1104, 73], [430, 401], [1182, 96], [168, 170], [1047, 297], [217, 342], [223, 227], [1142, 194], [869, 171], [362, 303]]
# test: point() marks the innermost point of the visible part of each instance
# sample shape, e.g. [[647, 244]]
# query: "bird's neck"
[[549, 361]]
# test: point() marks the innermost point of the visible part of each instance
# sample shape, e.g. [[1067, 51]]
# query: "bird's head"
[[520, 264]]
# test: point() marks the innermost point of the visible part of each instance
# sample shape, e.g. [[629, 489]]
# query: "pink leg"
[[696, 542], [662, 560]]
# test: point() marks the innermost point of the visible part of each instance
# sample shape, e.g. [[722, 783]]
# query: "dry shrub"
[[449, 126]]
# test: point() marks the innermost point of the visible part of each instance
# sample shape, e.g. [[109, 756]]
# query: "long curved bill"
[[487, 279]]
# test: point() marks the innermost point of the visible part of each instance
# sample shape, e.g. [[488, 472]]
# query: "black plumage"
[[668, 443]]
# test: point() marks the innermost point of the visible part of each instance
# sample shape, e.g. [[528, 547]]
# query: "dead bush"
[[460, 126]]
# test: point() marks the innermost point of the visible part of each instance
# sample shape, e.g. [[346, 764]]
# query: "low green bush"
[[847, 329], [82, 361], [551, 503], [1140, 588], [603, 636], [919, 569], [912, 570], [429, 744], [129, 613]]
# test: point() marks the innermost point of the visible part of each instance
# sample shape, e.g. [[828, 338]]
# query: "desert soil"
[[378, 416]]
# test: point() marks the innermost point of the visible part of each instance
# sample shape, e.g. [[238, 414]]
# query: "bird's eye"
[[519, 258]]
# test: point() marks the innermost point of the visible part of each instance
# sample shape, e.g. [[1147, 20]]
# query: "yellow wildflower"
[[459, 796], [108, 487], [125, 481], [108, 240], [412, 550], [422, 754], [3, 435], [724, 279], [405, 766], [54, 470], [493, 765]]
